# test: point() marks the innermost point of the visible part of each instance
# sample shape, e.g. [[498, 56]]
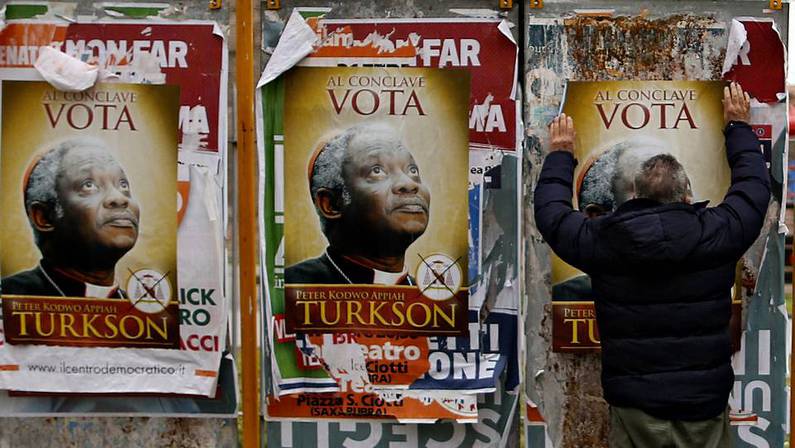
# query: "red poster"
[[191, 55], [760, 64]]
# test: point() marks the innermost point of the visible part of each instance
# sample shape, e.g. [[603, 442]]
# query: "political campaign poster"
[[192, 56], [88, 232], [375, 237], [384, 265], [621, 124], [447, 366]]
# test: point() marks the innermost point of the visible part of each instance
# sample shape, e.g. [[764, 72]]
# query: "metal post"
[[247, 227]]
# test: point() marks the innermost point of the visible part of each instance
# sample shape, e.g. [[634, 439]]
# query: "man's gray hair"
[[663, 179], [41, 184], [327, 168]]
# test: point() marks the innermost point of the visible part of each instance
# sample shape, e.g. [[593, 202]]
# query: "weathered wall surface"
[[119, 432], [662, 40], [131, 431]]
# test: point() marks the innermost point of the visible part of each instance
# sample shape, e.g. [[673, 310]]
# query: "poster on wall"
[[756, 60], [89, 233], [92, 282], [621, 124], [190, 57], [759, 409], [453, 368], [373, 264], [375, 234]]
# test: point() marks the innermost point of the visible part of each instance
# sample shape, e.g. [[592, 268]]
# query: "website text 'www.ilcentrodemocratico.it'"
[[107, 369]]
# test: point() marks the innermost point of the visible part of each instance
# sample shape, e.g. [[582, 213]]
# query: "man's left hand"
[[561, 134]]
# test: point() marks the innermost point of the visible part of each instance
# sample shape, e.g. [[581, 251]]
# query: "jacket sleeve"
[[567, 231], [729, 229]]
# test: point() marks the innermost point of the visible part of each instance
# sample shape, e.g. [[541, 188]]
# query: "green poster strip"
[[310, 12], [135, 12], [272, 114], [16, 12]]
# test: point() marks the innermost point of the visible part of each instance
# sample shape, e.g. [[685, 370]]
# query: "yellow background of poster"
[[148, 156], [701, 151], [438, 141]]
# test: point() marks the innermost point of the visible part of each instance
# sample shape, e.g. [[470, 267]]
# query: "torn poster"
[[66, 72], [496, 427], [191, 55], [755, 58]]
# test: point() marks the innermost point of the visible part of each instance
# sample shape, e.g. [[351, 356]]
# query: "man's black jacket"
[[662, 275]]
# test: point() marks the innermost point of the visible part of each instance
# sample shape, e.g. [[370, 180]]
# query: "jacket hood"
[[643, 231]]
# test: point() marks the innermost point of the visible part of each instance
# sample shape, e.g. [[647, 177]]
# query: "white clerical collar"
[[388, 278], [99, 291]]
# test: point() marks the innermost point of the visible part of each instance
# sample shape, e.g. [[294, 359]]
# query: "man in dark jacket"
[[662, 271]]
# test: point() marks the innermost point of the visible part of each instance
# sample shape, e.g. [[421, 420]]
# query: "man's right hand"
[[736, 104], [561, 134]]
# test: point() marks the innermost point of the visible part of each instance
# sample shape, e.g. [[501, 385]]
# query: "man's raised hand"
[[736, 104], [561, 134]]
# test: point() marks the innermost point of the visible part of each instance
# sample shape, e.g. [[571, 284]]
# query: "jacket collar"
[[643, 204]]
